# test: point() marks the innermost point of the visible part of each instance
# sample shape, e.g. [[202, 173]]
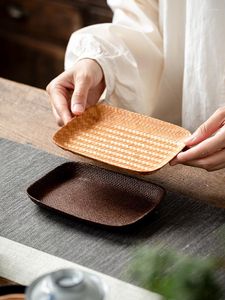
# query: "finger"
[[57, 117], [204, 149], [80, 94], [218, 167], [58, 97], [95, 94], [213, 162], [55, 114], [208, 128]]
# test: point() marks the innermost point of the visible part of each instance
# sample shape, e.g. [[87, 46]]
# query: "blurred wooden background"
[[34, 35]]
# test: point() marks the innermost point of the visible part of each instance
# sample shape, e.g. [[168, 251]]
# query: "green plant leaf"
[[176, 276]]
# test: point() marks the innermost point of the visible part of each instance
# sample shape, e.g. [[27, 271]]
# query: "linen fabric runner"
[[179, 223]]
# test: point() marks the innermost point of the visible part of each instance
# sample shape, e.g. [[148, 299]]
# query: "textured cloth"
[[178, 222], [162, 58]]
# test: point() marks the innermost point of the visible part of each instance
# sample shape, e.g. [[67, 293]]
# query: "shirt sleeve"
[[129, 50]]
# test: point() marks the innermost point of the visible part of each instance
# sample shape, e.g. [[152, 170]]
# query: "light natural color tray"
[[122, 138]]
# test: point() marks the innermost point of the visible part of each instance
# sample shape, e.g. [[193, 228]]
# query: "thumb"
[[215, 122], [79, 97]]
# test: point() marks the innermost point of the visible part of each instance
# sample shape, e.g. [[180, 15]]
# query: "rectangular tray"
[[95, 194], [122, 138]]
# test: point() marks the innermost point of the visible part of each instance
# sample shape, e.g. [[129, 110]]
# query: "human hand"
[[206, 145], [76, 89]]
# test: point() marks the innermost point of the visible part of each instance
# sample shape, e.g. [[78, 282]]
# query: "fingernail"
[[78, 108], [190, 139], [180, 155]]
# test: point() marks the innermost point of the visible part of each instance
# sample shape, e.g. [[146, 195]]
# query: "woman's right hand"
[[76, 89]]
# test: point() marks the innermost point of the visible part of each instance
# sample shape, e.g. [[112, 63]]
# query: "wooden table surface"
[[4, 281], [25, 117]]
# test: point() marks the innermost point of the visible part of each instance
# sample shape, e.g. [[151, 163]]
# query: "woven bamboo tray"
[[122, 138]]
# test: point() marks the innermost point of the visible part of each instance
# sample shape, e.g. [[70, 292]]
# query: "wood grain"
[[34, 35], [25, 117], [4, 281]]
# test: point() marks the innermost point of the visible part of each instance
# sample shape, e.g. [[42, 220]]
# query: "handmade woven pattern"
[[122, 138]]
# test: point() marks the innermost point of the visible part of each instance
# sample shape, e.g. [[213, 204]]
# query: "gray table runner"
[[178, 222]]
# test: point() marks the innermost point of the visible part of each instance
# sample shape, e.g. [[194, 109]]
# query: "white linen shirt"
[[165, 58]]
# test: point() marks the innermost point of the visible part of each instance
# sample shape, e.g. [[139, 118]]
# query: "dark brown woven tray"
[[95, 194]]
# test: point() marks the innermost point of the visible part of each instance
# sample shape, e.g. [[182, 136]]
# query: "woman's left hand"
[[206, 146]]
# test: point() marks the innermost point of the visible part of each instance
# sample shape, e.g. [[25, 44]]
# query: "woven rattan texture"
[[122, 138], [112, 198]]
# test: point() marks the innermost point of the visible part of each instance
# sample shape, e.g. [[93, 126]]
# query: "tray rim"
[[132, 170], [161, 190]]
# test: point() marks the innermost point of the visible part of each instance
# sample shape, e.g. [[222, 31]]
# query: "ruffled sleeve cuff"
[[85, 45]]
